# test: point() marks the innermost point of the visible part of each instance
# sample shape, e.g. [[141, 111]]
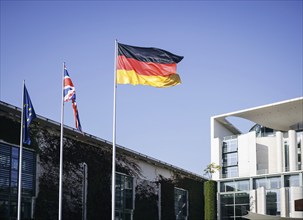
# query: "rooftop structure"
[[263, 167]]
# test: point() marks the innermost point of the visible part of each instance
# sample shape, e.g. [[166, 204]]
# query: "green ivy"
[[146, 202], [195, 196], [9, 130], [210, 194], [46, 143], [167, 199]]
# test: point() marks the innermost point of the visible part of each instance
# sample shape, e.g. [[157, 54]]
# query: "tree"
[[210, 192], [211, 168]]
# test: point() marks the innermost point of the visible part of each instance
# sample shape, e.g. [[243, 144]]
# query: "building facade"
[[146, 188], [262, 169]]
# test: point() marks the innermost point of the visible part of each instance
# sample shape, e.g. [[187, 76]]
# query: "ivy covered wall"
[[210, 192], [46, 143], [195, 196]]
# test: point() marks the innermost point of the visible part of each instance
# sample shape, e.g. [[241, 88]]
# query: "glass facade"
[[234, 197], [291, 180], [268, 183], [286, 156], [262, 131], [124, 197], [272, 187], [273, 202], [181, 204], [234, 205], [9, 162], [300, 151], [240, 193], [230, 157], [231, 186]]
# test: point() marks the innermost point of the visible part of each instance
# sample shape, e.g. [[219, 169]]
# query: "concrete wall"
[[218, 131], [261, 201], [151, 172], [247, 154], [293, 153], [294, 194], [253, 201], [266, 148], [284, 202]]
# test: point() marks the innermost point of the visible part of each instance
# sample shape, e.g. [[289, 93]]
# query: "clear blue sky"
[[237, 55]]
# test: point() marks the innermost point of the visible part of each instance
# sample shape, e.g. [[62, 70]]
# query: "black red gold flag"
[[147, 66]]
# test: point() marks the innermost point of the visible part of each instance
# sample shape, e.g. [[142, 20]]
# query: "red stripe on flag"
[[146, 68], [68, 82]]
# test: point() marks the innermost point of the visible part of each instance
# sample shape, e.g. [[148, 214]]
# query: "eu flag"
[[28, 115]]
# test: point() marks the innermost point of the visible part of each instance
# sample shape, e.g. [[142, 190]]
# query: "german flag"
[[147, 66]]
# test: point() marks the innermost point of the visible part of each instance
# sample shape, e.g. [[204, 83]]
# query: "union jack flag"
[[70, 95]]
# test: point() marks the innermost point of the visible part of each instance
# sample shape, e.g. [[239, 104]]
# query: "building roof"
[[15, 112], [283, 116]]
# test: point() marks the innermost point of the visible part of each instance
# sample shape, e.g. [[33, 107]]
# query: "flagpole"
[[20, 157], [61, 148], [114, 136]]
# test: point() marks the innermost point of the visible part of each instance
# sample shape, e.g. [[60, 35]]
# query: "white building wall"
[[266, 162], [279, 143], [216, 156], [151, 172], [293, 152], [268, 153], [261, 201], [218, 131], [253, 201], [247, 162], [301, 141], [284, 202], [294, 194]]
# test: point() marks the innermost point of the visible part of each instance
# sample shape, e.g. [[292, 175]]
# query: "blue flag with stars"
[[28, 115]]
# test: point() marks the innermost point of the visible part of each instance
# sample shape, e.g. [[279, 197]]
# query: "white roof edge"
[[255, 108]]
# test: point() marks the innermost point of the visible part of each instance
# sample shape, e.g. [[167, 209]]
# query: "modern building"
[[146, 188], [262, 169]]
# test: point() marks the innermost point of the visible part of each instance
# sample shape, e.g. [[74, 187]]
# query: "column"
[[261, 201], [279, 141], [293, 150]]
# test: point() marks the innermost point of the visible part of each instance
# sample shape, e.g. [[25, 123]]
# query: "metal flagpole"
[[114, 137], [61, 148], [20, 157]]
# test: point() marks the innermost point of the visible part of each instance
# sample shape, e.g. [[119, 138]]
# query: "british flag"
[[70, 95]]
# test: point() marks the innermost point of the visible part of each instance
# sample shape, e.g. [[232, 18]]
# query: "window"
[[230, 144], [273, 202], [286, 156], [9, 168], [227, 186], [291, 181], [274, 183], [268, 183], [262, 131], [124, 197], [242, 185], [230, 171], [241, 204], [300, 151], [230, 157], [181, 203], [234, 205], [260, 183]]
